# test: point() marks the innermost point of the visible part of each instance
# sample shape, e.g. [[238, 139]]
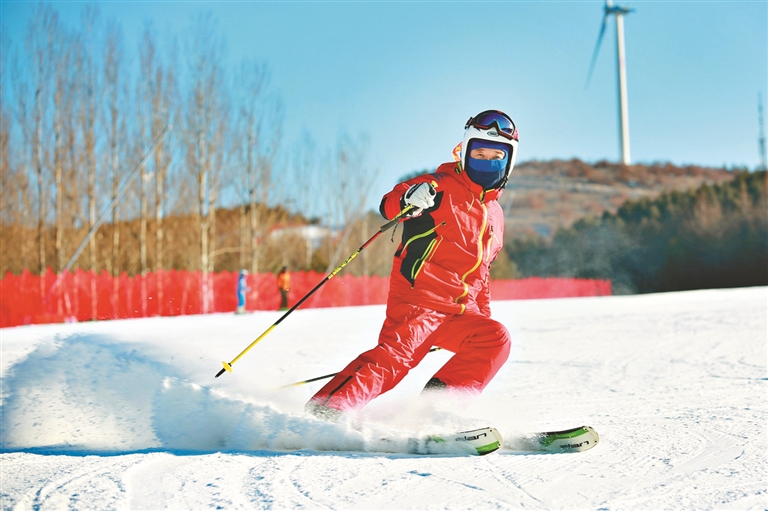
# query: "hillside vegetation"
[[711, 237]]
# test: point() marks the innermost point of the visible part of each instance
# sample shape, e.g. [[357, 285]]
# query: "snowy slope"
[[127, 414]]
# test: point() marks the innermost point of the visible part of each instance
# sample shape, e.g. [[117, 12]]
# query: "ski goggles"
[[494, 119]]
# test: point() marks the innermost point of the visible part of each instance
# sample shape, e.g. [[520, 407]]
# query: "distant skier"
[[284, 285], [438, 293], [242, 289]]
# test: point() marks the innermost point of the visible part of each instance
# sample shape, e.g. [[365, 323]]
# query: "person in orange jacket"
[[439, 294], [284, 285]]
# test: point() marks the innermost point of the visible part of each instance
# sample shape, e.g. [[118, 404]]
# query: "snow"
[[128, 415]]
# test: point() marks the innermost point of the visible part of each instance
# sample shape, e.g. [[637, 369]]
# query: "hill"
[[543, 196], [712, 236]]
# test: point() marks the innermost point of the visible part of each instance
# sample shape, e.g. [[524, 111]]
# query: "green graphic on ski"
[[477, 442], [578, 439]]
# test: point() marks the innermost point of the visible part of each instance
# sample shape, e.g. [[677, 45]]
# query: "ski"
[[477, 442], [482, 441], [577, 439]]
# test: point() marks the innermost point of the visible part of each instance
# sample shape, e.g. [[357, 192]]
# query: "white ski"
[[477, 442], [578, 439]]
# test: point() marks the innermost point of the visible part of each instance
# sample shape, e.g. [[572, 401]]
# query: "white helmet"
[[490, 129]]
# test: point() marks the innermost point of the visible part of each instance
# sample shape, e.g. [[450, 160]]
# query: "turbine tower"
[[761, 137], [618, 13]]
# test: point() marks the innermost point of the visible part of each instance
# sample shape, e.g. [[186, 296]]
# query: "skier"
[[284, 286], [438, 295], [242, 288]]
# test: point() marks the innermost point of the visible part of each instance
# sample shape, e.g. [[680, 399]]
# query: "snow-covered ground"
[[127, 414]]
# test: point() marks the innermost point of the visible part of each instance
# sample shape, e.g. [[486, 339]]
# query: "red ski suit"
[[438, 295]]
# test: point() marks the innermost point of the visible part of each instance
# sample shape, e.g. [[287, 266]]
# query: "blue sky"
[[408, 74]]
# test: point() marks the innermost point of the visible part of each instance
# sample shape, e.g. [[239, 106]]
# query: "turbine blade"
[[597, 50]]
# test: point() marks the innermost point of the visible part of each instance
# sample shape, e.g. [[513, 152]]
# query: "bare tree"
[[145, 87], [13, 179], [353, 181], [91, 100], [73, 182], [308, 186], [8, 206], [163, 107], [155, 109], [39, 45], [206, 121], [116, 91], [259, 126], [60, 89], [63, 101]]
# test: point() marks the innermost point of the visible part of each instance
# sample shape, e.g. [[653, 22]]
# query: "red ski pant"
[[481, 346]]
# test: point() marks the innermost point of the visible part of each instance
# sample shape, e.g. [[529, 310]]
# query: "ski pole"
[[388, 225], [304, 382]]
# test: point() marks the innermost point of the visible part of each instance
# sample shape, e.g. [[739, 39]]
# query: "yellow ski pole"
[[388, 225]]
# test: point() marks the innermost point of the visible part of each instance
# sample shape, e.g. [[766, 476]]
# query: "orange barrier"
[[82, 296]]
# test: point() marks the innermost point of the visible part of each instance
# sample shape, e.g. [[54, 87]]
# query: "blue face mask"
[[487, 173]]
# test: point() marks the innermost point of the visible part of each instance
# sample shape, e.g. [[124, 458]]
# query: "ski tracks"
[[277, 482], [170, 481], [648, 463], [64, 482], [367, 481]]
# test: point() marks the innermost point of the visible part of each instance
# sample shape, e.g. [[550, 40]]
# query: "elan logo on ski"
[[483, 441]]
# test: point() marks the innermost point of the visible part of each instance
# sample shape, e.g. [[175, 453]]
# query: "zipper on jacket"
[[491, 237], [479, 254]]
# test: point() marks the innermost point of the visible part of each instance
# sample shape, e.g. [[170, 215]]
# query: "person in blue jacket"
[[242, 288]]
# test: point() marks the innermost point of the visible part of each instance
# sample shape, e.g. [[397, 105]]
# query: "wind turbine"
[[619, 13]]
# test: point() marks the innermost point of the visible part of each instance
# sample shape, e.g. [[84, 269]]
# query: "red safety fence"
[[535, 287], [82, 296]]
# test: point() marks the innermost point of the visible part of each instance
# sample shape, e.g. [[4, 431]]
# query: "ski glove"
[[421, 196]]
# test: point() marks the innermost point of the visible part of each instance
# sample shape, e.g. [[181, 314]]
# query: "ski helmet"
[[491, 129]]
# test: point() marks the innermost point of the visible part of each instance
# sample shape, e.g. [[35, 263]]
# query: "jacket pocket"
[[431, 249], [417, 250]]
